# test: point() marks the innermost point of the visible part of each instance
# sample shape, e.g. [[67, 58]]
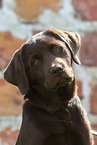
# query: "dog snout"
[[56, 70]]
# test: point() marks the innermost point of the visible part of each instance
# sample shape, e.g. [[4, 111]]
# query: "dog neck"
[[51, 100]]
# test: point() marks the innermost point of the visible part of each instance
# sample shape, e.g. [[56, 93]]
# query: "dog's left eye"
[[57, 49]]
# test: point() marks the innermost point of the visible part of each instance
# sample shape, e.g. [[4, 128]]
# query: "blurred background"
[[19, 20]]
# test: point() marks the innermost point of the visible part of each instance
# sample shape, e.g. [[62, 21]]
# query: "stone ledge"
[[92, 118], [10, 121]]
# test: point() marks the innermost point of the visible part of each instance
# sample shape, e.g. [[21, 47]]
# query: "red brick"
[[93, 97], [3, 62], [2, 82], [10, 99], [8, 136], [0, 3], [86, 9], [94, 127], [88, 55], [79, 84], [30, 10], [8, 44]]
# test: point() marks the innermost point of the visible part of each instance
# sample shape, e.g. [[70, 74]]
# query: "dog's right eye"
[[35, 61]]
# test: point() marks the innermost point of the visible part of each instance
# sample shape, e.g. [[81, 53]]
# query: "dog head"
[[45, 60]]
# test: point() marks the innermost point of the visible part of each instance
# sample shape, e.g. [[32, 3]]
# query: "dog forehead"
[[43, 41], [47, 33], [40, 37], [40, 42]]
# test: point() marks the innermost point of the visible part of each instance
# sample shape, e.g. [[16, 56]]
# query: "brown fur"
[[42, 70]]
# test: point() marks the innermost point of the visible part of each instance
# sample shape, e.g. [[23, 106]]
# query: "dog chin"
[[55, 87]]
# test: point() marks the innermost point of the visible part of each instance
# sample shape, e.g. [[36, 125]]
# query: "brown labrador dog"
[[42, 70]]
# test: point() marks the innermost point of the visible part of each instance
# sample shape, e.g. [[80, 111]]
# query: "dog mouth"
[[59, 84]]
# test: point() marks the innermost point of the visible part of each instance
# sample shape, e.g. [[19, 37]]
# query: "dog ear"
[[15, 72], [74, 43], [72, 40]]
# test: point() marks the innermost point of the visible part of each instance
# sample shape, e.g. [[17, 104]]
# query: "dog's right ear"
[[15, 72]]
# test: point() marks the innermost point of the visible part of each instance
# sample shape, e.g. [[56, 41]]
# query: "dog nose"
[[57, 70]]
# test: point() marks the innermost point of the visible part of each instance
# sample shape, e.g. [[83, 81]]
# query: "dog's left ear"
[[72, 40], [15, 72]]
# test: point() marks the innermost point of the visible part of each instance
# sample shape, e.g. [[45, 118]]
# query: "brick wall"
[[21, 19]]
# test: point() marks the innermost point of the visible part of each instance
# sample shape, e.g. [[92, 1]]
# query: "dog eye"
[[36, 61], [57, 49]]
